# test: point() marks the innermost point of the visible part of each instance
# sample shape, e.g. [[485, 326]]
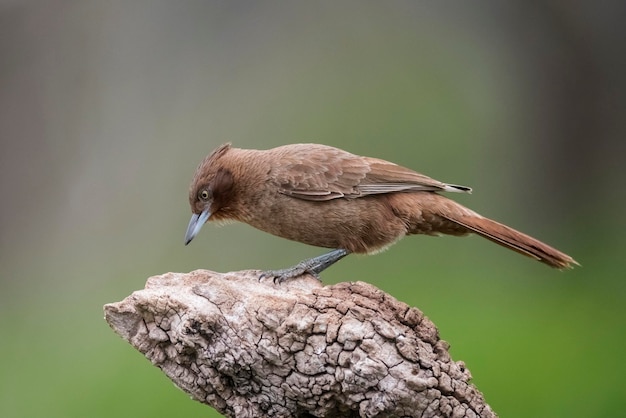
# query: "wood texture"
[[252, 348]]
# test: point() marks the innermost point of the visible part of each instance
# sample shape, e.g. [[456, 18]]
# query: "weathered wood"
[[252, 348]]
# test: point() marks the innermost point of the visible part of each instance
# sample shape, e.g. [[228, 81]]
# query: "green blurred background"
[[106, 108]]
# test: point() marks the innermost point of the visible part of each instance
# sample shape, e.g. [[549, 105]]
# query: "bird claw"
[[282, 275], [312, 266]]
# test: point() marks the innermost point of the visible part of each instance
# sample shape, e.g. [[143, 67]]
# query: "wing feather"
[[319, 173]]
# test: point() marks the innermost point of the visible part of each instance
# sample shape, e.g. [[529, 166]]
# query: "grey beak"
[[195, 224]]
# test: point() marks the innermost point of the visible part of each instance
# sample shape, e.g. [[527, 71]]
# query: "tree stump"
[[252, 348]]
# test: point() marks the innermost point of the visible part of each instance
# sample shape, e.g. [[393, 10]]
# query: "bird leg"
[[313, 266]]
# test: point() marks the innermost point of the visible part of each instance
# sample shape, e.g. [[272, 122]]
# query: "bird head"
[[209, 191]]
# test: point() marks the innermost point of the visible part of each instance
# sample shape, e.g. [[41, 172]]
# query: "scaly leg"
[[312, 266]]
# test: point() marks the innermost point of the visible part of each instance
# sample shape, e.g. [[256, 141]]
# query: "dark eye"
[[204, 195]]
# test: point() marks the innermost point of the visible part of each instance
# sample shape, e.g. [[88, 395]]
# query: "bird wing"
[[319, 173], [386, 177]]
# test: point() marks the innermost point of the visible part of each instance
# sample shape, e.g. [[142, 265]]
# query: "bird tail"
[[514, 240]]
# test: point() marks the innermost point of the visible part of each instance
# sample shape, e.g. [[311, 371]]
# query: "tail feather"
[[515, 240]]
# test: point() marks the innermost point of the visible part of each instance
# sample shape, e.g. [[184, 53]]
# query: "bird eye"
[[203, 195]]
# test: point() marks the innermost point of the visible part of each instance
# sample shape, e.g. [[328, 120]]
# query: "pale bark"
[[252, 348]]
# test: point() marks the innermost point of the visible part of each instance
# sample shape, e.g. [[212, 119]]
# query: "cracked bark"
[[252, 348]]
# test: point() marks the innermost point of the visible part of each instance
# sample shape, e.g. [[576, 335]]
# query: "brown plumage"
[[327, 197]]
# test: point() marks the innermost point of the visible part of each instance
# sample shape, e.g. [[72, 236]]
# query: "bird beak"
[[195, 224]]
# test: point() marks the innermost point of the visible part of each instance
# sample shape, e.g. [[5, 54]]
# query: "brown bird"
[[327, 197]]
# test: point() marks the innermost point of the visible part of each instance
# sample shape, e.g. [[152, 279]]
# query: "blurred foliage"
[[107, 107]]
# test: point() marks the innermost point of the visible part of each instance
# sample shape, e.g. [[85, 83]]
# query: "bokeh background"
[[106, 108]]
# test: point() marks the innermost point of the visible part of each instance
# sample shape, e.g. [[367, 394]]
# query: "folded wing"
[[319, 173]]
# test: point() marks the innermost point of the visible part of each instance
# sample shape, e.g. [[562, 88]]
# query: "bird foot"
[[313, 266], [279, 276]]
